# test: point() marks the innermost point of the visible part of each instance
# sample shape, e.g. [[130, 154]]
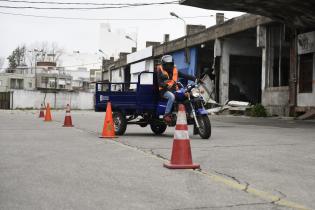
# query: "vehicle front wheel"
[[158, 127], [120, 123], [204, 126]]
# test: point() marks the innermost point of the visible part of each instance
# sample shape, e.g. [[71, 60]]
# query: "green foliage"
[[17, 57], [258, 110]]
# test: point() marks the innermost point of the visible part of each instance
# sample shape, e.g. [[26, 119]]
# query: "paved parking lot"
[[248, 163]]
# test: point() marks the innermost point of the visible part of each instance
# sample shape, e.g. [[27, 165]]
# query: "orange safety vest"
[[169, 82]]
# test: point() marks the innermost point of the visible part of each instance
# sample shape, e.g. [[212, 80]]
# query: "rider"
[[168, 75]]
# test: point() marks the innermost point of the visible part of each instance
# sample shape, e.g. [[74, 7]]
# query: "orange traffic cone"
[[108, 128], [68, 119], [41, 113], [48, 114], [181, 152]]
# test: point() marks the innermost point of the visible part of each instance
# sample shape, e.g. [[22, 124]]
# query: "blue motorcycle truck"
[[140, 103]]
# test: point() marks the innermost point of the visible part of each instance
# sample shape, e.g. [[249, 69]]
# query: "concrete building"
[[141, 61], [9, 81], [95, 75], [249, 58], [287, 50], [227, 52], [50, 77], [81, 84]]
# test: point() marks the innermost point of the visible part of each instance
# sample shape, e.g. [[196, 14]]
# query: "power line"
[[100, 19], [86, 64], [83, 3], [88, 8]]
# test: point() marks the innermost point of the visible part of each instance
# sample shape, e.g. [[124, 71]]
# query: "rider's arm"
[[161, 80], [186, 76]]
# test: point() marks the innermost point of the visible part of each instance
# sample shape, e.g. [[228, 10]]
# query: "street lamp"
[[135, 41], [103, 63], [37, 52], [186, 49], [175, 15]]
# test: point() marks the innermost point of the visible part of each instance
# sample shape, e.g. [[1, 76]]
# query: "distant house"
[[19, 78], [48, 76]]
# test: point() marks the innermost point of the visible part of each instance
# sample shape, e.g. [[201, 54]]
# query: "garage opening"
[[205, 66], [245, 78]]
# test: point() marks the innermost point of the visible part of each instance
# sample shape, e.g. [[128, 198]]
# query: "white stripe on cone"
[[68, 110], [181, 135], [181, 118]]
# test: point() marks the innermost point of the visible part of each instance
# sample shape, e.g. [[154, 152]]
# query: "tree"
[[17, 57], [1, 63], [38, 51], [43, 51]]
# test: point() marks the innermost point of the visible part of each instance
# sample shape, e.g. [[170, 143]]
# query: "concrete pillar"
[[293, 73], [224, 74], [261, 42], [192, 29]]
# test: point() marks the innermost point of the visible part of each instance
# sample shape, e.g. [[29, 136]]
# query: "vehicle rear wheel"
[[158, 127], [120, 123], [204, 126]]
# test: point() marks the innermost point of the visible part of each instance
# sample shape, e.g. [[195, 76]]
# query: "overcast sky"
[[83, 35]]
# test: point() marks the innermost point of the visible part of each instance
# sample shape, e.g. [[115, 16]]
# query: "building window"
[[16, 83], [30, 85], [306, 73], [52, 83], [62, 83], [44, 81], [0, 82]]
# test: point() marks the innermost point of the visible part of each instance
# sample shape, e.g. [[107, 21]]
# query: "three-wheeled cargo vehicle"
[[140, 103]]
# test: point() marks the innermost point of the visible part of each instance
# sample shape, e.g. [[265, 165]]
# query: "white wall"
[[136, 68], [33, 99], [117, 76], [140, 55]]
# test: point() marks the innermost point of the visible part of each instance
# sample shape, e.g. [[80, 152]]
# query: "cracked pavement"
[[45, 166]]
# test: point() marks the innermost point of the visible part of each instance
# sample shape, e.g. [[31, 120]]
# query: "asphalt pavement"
[[248, 163]]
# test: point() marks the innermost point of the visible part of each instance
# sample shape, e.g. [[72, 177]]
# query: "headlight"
[[195, 92]]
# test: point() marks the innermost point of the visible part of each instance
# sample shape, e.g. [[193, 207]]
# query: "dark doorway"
[[245, 78], [205, 59], [127, 77], [306, 73], [5, 100], [208, 65]]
